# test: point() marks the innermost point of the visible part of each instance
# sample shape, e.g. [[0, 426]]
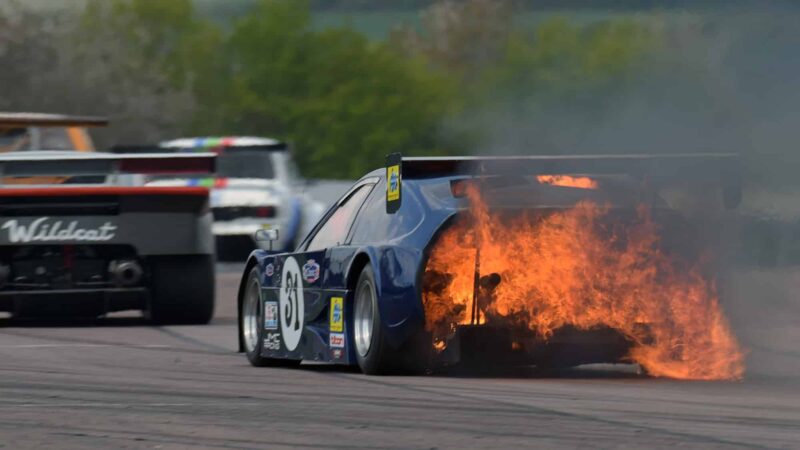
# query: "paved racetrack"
[[124, 384]]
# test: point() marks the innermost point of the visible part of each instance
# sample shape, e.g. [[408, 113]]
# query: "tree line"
[[161, 70]]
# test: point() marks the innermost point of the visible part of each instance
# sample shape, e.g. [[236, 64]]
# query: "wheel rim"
[[363, 318], [250, 315]]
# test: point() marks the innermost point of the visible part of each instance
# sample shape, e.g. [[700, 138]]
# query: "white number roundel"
[[291, 303]]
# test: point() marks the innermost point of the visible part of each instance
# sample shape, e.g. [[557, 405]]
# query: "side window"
[[334, 230], [374, 224]]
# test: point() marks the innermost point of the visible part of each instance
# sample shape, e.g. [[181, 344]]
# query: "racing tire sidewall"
[[375, 362], [254, 355]]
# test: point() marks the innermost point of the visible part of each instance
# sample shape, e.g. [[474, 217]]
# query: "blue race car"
[[354, 290]]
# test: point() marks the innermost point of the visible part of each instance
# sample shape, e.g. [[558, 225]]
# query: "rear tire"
[[372, 351], [251, 325], [182, 290]]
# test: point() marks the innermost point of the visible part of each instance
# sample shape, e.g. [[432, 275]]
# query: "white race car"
[[256, 186]]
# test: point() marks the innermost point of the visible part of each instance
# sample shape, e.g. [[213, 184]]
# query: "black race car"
[[80, 235]]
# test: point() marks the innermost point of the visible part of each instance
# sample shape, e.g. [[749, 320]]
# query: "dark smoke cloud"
[[721, 82]]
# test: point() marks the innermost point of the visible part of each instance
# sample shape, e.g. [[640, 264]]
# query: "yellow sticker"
[[337, 314], [393, 183]]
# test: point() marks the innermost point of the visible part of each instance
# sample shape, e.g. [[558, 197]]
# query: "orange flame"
[[582, 268], [567, 181]]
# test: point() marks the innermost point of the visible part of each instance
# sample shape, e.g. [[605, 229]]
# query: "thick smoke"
[[725, 82]]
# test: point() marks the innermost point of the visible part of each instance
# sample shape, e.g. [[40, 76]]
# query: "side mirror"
[[266, 235]]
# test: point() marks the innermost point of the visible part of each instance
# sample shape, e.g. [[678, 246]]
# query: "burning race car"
[[81, 236], [551, 261], [256, 187]]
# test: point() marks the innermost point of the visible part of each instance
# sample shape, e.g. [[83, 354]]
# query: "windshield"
[[245, 164], [45, 138]]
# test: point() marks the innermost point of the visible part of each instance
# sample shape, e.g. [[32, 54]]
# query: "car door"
[[303, 305]]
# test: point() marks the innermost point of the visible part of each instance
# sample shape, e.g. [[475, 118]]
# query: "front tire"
[[182, 290], [251, 320]]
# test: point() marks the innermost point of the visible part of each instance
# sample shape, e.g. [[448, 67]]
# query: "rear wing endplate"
[[25, 164], [722, 168]]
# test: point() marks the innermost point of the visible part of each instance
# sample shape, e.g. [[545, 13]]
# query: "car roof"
[[374, 173]]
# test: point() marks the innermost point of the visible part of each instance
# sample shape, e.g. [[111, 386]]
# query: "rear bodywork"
[[410, 203], [86, 243]]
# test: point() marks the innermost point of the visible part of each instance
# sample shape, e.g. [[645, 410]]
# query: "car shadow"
[[592, 371], [62, 322], [328, 368], [83, 322]]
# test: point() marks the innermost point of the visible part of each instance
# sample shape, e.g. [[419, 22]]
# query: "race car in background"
[[256, 186], [361, 288], [80, 235]]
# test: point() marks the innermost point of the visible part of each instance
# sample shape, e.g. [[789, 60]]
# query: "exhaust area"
[[125, 273]]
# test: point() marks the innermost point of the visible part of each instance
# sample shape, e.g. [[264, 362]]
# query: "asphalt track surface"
[[125, 384]]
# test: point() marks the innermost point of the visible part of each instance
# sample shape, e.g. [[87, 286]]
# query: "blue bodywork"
[[390, 225], [393, 244]]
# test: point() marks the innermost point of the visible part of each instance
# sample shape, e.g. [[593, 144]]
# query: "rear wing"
[[24, 120], [32, 164], [134, 149], [722, 168], [208, 144]]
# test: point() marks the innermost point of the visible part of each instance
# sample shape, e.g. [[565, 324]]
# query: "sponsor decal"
[[269, 270], [291, 303], [311, 271], [270, 315], [272, 341], [336, 340], [337, 353], [337, 314], [393, 183], [203, 182], [44, 229]]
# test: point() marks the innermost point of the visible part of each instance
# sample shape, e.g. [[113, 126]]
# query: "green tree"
[[558, 57], [161, 71], [343, 101], [512, 78], [152, 35], [125, 59]]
